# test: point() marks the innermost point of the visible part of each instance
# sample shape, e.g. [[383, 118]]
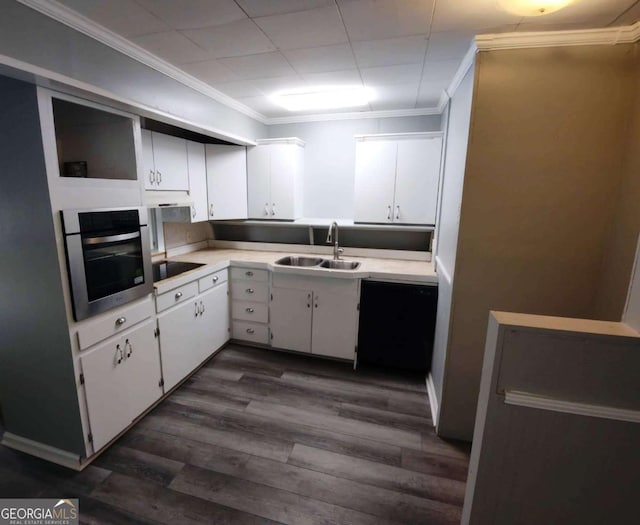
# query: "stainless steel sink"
[[339, 264], [298, 260]]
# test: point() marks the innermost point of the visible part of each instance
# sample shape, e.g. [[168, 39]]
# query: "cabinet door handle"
[[266, 208], [249, 310], [251, 331], [397, 213], [211, 210], [128, 349], [201, 307], [119, 355], [120, 321], [178, 295], [215, 279], [193, 211], [159, 177], [152, 176], [249, 290], [273, 209], [197, 310], [249, 274], [388, 213]]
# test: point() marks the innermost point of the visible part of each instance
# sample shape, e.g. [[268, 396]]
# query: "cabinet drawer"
[[176, 296], [113, 322], [254, 332], [250, 291], [215, 279], [249, 274], [250, 311]]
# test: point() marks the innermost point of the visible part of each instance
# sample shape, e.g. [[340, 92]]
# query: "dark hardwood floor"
[[258, 436]]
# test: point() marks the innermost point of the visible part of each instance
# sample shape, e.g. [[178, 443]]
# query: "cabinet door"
[[148, 169], [214, 319], [142, 365], [106, 382], [227, 182], [197, 170], [284, 180], [179, 342], [290, 319], [375, 180], [335, 322], [170, 160], [258, 182], [417, 176]]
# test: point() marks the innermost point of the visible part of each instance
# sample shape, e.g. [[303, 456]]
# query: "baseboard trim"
[[46, 452], [433, 400]]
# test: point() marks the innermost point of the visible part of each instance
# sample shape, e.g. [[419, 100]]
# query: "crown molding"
[[80, 23], [355, 115], [578, 37], [467, 63]]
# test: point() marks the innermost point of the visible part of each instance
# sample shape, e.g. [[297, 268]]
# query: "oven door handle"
[[111, 238]]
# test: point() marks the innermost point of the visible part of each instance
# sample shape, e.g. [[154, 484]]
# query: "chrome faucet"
[[337, 251]]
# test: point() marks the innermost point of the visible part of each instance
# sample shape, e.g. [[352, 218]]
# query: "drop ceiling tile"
[[378, 19], [171, 46], [313, 28], [124, 17], [264, 65], [231, 40], [190, 14], [627, 17], [390, 75], [440, 71], [210, 71], [348, 77], [237, 89], [429, 93], [321, 59], [479, 16], [255, 8], [269, 86], [399, 96], [449, 45], [390, 51], [265, 106]]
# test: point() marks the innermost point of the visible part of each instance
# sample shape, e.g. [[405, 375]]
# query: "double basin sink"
[[317, 262]]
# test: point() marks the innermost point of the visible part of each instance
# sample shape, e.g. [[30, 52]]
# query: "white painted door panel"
[[170, 160], [375, 180], [148, 168], [290, 319], [417, 175], [179, 342], [214, 319], [197, 170], [227, 181], [335, 321], [284, 163], [258, 182]]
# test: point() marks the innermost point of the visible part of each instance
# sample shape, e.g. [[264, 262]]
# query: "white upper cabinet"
[[396, 178], [226, 182], [170, 168], [275, 169], [197, 181]]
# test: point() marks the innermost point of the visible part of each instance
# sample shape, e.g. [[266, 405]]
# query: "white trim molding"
[[467, 62], [400, 136], [433, 399], [35, 448], [281, 140], [441, 269], [355, 115], [526, 399], [577, 37]]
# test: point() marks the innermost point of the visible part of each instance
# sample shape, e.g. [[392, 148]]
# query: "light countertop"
[[397, 270]]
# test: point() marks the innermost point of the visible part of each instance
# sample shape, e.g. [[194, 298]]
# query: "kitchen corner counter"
[[398, 270]]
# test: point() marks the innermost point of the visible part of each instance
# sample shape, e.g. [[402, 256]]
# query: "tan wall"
[[619, 254], [544, 166]]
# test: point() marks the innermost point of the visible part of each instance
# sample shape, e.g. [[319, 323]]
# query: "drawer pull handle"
[[215, 279], [251, 331], [249, 290], [249, 274], [178, 295], [249, 310], [120, 321]]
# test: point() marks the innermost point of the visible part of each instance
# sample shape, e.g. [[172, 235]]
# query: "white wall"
[[330, 158]]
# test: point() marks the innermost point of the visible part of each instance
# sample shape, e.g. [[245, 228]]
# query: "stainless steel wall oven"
[[108, 258]]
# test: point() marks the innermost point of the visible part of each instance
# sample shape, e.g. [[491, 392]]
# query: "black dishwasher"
[[397, 324]]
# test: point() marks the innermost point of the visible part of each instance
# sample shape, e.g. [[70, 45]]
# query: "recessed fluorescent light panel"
[[320, 98]]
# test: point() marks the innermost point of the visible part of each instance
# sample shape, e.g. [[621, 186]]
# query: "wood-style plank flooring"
[[258, 436]]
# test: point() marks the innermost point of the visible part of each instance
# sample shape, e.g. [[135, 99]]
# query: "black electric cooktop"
[[166, 269]]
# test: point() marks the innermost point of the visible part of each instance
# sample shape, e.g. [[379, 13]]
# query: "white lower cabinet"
[[121, 380], [193, 329], [316, 315], [250, 305]]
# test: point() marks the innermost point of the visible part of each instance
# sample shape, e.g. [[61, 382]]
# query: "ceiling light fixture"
[[533, 7], [319, 98]]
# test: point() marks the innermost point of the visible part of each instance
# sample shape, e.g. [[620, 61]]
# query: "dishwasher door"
[[397, 324]]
